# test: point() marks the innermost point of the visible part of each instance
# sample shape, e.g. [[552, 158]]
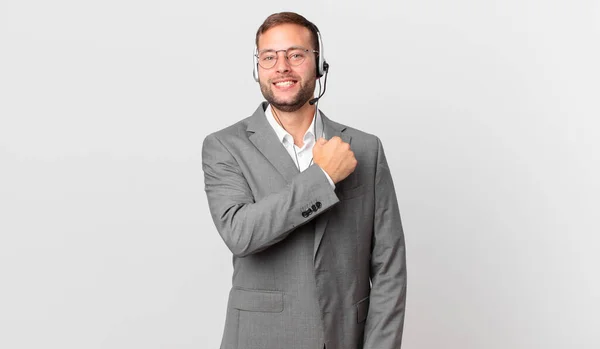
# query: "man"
[[308, 208]]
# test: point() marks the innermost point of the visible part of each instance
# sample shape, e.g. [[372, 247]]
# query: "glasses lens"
[[268, 59], [296, 56]]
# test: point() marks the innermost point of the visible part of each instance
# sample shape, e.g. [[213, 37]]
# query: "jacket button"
[[305, 214], [314, 208], [318, 203]]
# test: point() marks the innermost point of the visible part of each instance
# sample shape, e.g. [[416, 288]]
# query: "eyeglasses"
[[294, 55]]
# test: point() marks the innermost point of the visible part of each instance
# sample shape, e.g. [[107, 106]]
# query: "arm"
[[248, 226], [385, 319]]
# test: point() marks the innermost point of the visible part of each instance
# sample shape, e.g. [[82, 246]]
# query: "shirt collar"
[[283, 135]]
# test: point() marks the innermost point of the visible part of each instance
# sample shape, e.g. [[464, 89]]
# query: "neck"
[[297, 122]]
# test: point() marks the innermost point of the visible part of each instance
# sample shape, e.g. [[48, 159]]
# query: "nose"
[[282, 65]]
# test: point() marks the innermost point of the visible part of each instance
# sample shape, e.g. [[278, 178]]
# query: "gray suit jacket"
[[312, 265]]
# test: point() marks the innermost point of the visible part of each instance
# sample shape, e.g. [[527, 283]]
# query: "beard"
[[305, 93]]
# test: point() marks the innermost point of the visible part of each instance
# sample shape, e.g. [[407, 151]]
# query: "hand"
[[334, 157]]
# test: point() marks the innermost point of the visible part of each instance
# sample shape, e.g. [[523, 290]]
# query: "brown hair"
[[285, 18]]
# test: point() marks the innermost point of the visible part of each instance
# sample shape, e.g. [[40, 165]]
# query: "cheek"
[[263, 79], [308, 74]]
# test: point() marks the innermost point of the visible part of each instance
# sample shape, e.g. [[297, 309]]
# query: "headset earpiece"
[[255, 63], [322, 65]]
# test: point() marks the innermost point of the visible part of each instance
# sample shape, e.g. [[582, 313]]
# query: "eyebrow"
[[289, 48]]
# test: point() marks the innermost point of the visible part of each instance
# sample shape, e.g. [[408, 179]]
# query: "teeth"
[[285, 83]]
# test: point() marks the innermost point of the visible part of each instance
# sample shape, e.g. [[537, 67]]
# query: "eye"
[[296, 55], [267, 56]]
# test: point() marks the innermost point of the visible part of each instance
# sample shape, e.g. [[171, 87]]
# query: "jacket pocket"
[[257, 300], [346, 194], [362, 309]]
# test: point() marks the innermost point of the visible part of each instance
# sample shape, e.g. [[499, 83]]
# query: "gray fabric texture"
[[333, 276]]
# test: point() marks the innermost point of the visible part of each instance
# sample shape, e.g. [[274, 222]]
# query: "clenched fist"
[[334, 157]]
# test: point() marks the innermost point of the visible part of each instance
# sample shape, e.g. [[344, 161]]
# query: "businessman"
[[308, 208]]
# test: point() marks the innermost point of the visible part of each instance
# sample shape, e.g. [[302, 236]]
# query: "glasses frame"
[[286, 56]]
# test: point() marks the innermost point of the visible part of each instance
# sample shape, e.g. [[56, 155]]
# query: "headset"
[[322, 65], [322, 69]]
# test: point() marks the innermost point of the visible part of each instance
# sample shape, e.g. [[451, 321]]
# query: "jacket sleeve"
[[248, 226], [385, 319]]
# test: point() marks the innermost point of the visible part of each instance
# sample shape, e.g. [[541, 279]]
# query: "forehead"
[[283, 36]]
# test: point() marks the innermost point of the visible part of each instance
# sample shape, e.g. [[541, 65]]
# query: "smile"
[[285, 83]]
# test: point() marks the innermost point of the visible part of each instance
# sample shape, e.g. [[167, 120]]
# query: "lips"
[[284, 83]]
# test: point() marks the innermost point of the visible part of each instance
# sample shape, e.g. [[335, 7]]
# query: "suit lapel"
[[331, 129], [265, 140]]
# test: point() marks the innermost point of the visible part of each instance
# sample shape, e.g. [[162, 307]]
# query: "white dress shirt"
[[301, 156]]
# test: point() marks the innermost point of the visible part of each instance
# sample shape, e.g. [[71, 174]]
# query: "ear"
[[322, 65]]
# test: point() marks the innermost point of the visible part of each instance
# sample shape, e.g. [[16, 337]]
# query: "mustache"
[[284, 77]]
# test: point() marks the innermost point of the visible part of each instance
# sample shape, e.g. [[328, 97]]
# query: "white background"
[[488, 111]]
